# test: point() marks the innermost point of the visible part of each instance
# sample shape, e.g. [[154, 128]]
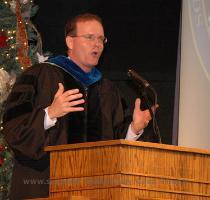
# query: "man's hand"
[[65, 102], [141, 118]]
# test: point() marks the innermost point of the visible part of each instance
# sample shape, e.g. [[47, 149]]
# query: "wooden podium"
[[125, 170]]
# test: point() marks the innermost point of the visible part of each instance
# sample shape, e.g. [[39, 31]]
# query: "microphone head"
[[136, 77]]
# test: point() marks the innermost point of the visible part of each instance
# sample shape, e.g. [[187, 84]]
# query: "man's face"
[[87, 46]]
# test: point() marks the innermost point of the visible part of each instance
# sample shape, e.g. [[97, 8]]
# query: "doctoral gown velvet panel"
[[24, 123]]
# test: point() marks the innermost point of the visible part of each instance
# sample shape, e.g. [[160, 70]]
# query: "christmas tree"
[[20, 47]]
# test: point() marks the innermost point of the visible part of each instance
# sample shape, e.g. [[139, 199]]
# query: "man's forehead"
[[87, 22], [88, 25]]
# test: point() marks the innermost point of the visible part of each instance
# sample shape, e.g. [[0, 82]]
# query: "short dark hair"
[[71, 25]]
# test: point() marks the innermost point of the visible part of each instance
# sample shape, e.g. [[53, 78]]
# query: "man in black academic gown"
[[64, 100]]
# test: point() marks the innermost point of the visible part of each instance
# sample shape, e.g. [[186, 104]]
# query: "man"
[[64, 100]]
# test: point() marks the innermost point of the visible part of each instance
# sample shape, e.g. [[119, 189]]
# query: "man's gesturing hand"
[[141, 118], [65, 102]]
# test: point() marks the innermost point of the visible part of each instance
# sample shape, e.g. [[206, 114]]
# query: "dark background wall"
[[141, 34]]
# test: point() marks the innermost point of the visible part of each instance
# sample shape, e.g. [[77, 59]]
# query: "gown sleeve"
[[23, 120]]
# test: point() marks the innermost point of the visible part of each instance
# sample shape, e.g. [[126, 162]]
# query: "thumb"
[[154, 108], [60, 90], [137, 103]]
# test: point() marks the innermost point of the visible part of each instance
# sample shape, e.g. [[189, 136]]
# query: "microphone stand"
[[149, 106]]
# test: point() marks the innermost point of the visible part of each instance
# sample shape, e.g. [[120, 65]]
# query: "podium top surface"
[[126, 143]]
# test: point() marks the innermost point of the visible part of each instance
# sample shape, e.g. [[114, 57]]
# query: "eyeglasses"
[[91, 37]]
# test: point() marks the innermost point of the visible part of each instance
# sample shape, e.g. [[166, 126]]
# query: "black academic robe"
[[23, 122]]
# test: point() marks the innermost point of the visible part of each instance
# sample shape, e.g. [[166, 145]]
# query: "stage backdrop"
[[194, 107]]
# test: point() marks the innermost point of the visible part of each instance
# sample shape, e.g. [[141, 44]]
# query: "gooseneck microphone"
[[136, 77], [144, 86]]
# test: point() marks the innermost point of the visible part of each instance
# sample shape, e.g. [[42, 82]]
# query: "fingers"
[[71, 95], [75, 109], [70, 92], [68, 95], [141, 118], [137, 103], [73, 106], [148, 114], [154, 107], [74, 103], [65, 102], [60, 90], [146, 123]]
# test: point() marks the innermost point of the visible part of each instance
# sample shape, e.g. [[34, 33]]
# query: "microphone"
[[145, 88], [136, 77]]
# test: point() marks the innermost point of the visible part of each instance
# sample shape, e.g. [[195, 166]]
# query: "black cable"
[[149, 106]]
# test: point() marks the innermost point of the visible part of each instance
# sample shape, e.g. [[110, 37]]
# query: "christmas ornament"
[[12, 5], [3, 39], [1, 161], [23, 1], [41, 58], [1, 148], [6, 83]]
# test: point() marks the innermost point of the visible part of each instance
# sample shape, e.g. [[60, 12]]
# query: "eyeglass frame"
[[92, 37]]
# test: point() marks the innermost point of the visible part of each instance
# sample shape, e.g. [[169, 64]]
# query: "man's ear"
[[69, 42]]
